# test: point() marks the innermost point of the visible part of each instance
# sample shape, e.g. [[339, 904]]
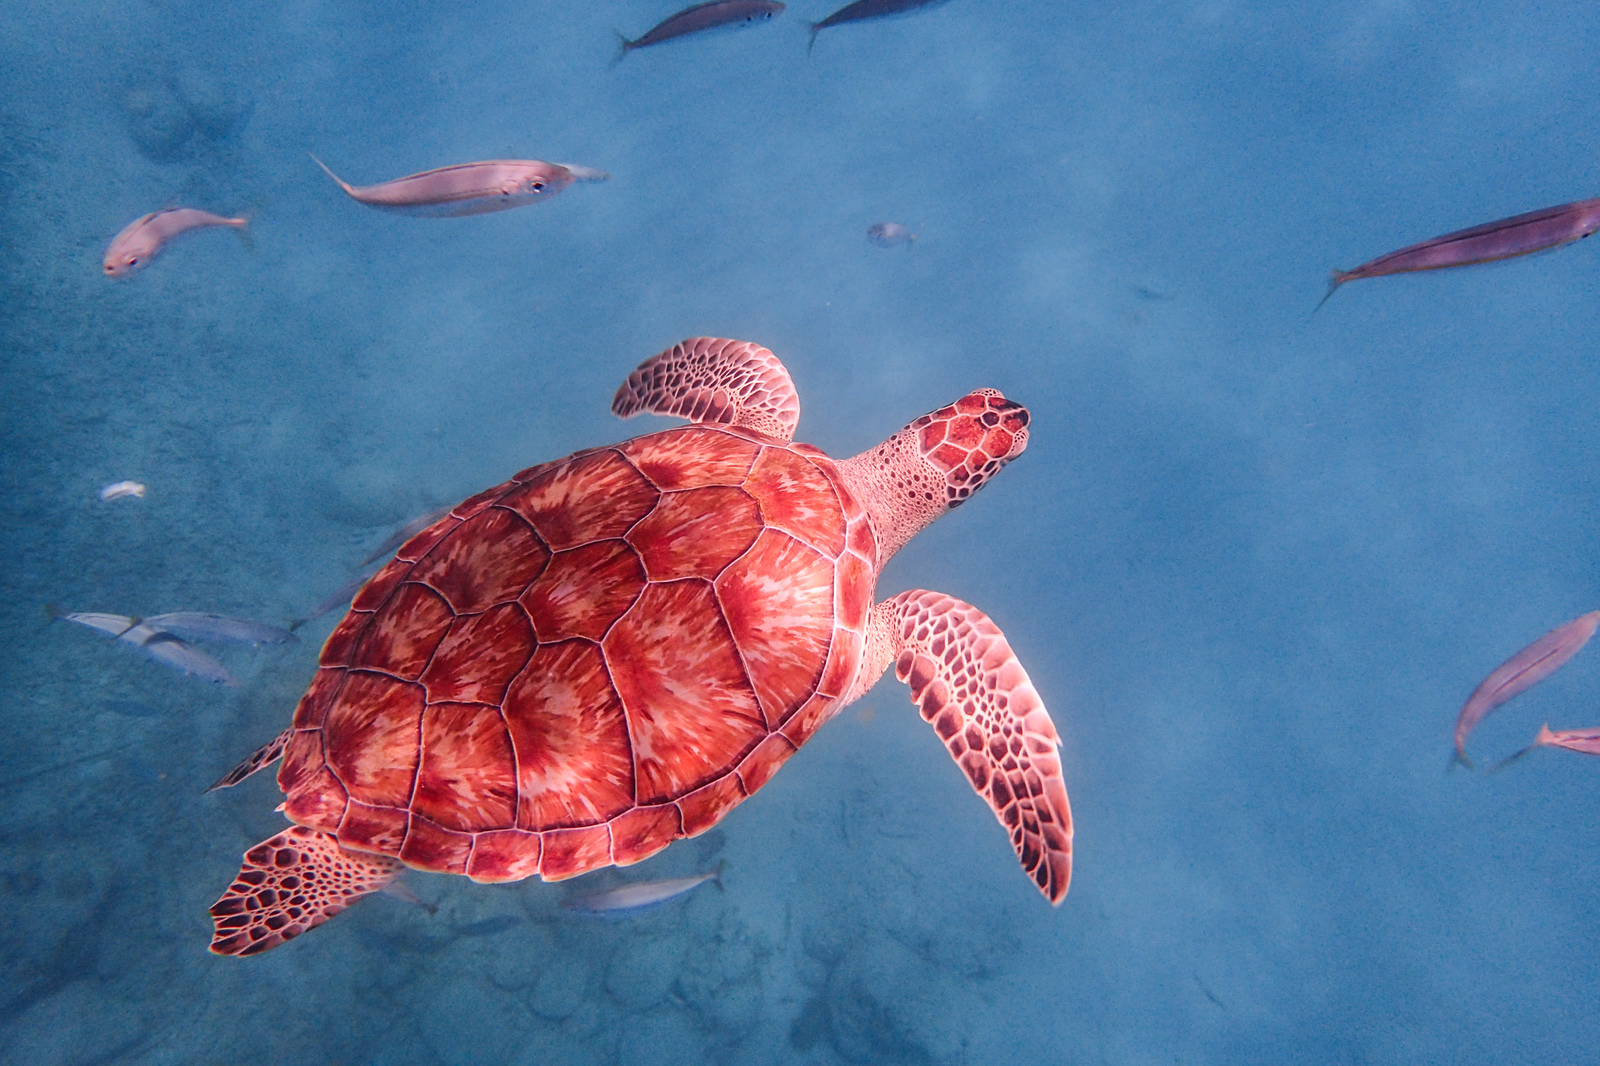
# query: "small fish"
[[500, 923], [137, 244], [402, 892], [340, 596], [701, 17], [1586, 741], [199, 626], [867, 9], [156, 643], [630, 899], [889, 234], [1536, 231], [467, 188], [403, 534], [1521, 672], [121, 490]]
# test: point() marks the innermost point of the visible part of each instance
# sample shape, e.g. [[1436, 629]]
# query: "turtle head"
[[968, 442], [935, 464]]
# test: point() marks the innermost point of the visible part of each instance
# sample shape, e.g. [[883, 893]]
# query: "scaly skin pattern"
[[293, 882], [610, 651], [710, 379], [579, 666], [968, 684]]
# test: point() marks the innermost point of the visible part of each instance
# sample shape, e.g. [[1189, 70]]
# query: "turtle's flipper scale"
[[293, 882], [970, 687], [264, 756], [709, 379]]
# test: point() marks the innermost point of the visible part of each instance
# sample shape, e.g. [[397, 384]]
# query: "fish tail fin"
[[624, 46], [1458, 757], [346, 186], [814, 27], [716, 878], [1508, 760], [1335, 279], [241, 226], [296, 623], [55, 610]]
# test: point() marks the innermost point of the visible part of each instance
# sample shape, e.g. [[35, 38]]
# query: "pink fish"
[[1521, 672], [138, 243], [1536, 231], [1585, 740], [469, 188]]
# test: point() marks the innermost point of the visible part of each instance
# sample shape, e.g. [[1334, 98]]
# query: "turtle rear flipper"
[[293, 882], [265, 755], [969, 686]]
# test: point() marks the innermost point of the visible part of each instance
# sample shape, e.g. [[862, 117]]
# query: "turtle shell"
[[579, 666]]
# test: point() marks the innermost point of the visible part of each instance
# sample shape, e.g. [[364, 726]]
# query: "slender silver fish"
[[630, 899], [122, 490], [1505, 238], [700, 17], [1521, 672], [405, 533], [467, 188], [199, 626], [340, 596], [156, 643], [867, 9]]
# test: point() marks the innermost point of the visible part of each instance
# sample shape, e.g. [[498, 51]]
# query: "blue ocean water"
[[1254, 559]]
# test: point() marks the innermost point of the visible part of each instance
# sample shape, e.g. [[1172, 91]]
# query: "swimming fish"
[[156, 643], [122, 490], [867, 9], [405, 533], [1536, 231], [889, 234], [468, 188], [630, 899], [340, 596], [199, 626], [707, 16], [1521, 672], [141, 239], [1586, 741]]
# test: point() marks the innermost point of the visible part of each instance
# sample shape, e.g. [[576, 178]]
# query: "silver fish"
[[340, 596], [156, 643], [122, 490], [630, 899], [195, 625], [889, 234], [405, 533]]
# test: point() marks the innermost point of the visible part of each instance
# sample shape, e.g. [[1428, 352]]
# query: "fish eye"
[[536, 185]]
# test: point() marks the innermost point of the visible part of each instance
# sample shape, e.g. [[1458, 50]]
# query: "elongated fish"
[[338, 598], [867, 9], [630, 899], [141, 239], [700, 17], [468, 188], [121, 490], [1521, 672], [405, 533], [198, 626], [1586, 741], [156, 643], [1536, 231]]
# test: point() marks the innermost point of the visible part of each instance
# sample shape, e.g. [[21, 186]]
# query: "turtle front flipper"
[[968, 684], [708, 379], [264, 756], [293, 882]]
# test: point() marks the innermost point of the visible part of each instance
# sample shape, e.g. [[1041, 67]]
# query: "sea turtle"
[[609, 651]]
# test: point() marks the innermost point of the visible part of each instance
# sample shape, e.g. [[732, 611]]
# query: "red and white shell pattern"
[[602, 655]]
